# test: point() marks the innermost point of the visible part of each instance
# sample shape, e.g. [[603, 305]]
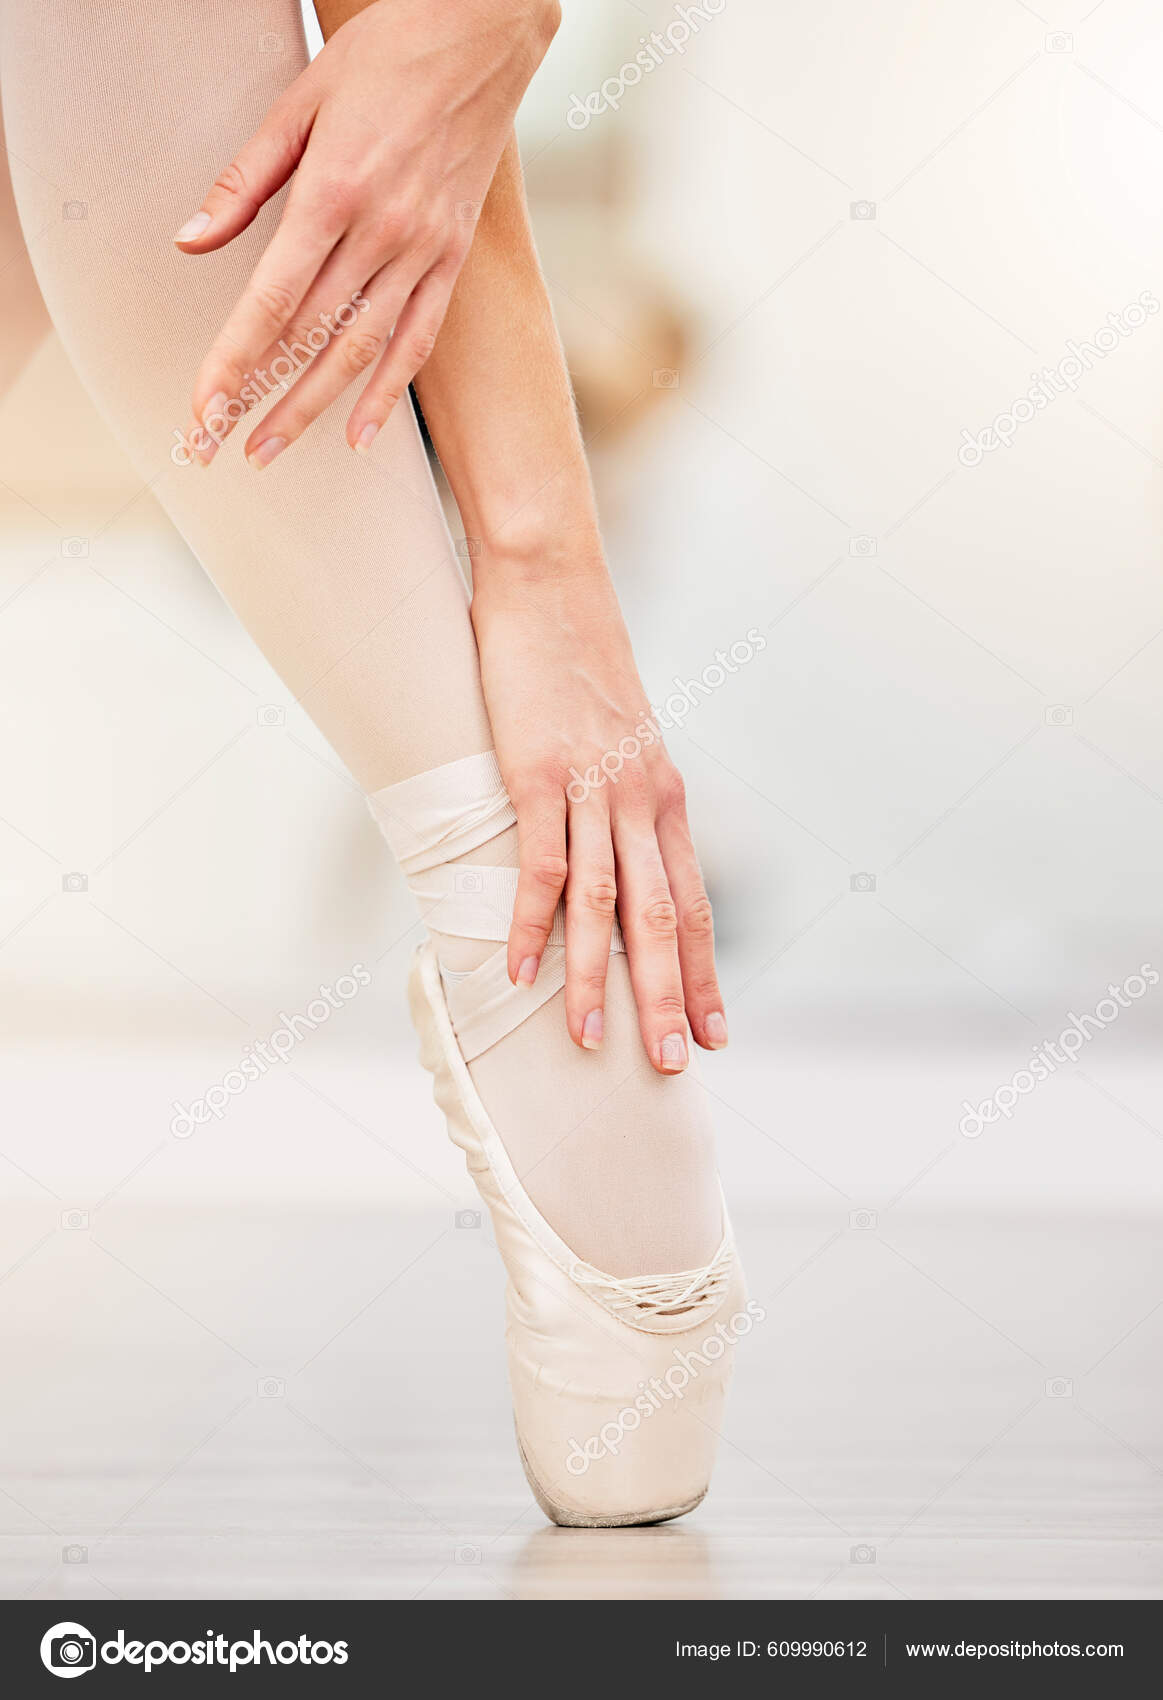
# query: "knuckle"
[[360, 350], [599, 896], [393, 228], [275, 300], [333, 199], [660, 919], [527, 788], [589, 979], [698, 919], [531, 930], [421, 346], [670, 790], [231, 181], [669, 1005], [706, 991], [553, 773], [298, 329], [424, 230], [635, 790], [548, 871]]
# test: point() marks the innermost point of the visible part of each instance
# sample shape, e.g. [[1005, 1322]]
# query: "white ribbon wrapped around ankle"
[[469, 900], [444, 813], [431, 820], [477, 902]]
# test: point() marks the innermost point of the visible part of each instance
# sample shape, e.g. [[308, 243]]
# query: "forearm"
[[497, 400], [496, 392]]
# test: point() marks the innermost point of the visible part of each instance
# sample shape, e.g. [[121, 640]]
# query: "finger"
[[317, 319], [543, 868], [200, 445], [650, 924], [270, 300], [348, 355], [696, 930], [254, 174], [412, 342], [590, 897]]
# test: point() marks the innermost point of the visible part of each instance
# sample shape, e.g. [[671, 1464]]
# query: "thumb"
[[255, 173]]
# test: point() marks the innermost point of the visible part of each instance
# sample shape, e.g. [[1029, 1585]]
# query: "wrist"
[[551, 533], [538, 556]]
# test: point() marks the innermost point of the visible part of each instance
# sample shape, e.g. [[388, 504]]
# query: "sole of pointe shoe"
[[567, 1519]]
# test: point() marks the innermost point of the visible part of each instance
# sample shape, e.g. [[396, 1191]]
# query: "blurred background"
[[798, 266]]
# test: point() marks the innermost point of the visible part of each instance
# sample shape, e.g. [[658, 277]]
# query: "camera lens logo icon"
[[67, 1649]]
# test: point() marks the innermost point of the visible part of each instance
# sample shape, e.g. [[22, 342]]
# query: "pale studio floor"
[[298, 1397]]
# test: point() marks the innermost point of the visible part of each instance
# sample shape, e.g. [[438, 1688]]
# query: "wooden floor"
[[274, 1402]]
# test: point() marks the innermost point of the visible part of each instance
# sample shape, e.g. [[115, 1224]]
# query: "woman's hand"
[[393, 133], [600, 809]]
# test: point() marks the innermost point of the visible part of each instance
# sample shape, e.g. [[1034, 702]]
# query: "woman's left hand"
[[392, 135]]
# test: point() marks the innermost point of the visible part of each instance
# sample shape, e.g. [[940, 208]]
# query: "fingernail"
[[527, 972], [203, 448], [193, 227], [266, 452], [365, 439], [215, 407], [716, 1028], [591, 1034], [672, 1052]]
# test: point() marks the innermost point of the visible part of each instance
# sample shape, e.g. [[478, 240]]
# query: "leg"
[[340, 567], [341, 570]]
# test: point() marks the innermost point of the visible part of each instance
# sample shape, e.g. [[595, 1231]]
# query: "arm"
[[497, 399], [559, 676]]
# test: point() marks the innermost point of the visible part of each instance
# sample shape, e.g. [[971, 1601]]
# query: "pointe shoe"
[[618, 1385]]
